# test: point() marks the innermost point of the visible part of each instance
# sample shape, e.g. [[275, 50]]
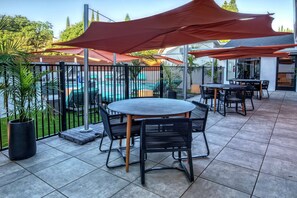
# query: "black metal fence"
[[106, 84]]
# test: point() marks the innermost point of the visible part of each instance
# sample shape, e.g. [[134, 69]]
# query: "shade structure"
[[94, 54], [244, 52], [161, 57], [196, 21]]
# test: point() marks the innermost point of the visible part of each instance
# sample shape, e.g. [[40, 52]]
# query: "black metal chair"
[[166, 135], [116, 131], [232, 96], [206, 95], [265, 85], [250, 94], [199, 118]]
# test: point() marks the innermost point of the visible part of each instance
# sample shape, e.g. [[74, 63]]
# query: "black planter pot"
[[172, 94], [21, 139]]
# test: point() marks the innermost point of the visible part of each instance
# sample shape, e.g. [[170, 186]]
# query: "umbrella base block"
[[77, 136]]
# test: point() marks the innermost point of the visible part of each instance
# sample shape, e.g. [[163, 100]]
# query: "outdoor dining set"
[[222, 96], [166, 125]]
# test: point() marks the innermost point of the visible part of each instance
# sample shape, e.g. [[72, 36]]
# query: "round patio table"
[[222, 87], [149, 107]]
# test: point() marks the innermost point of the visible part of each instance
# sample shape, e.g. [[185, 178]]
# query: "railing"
[[106, 84]]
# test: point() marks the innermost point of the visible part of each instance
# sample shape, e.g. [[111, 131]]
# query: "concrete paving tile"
[[96, 184], [280, 168], [216, 139], [4, 159], [284, 141], [199, 148], [29, 186], [247, 145], [65, 172], [206, 189], [230, 175], [54, 141], [286, 121], [96, 157], [166, 183], [285, 133], [283, 153], [222, 130], [13, 176], [133, 173], [74, 149], [41, 157], [54, 194], [45, 164], [231, 123], [257, 128], [241, 158], [134, 191], [257, 137], [286, 125], [270, 186]]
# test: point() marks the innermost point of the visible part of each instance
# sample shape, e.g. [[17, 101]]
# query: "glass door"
[[286, 70]]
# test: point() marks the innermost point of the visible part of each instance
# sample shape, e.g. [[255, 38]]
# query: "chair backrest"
[[265, 84], [202, 91], [105, 119], [199, 116], [167, 134], [235, 93]]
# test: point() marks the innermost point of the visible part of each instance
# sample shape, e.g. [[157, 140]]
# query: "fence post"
[[203, 74], [63, 95], [126, 81], [161, 81]]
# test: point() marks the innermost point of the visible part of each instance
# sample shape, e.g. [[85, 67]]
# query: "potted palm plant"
[[172, 80], [20, 90]]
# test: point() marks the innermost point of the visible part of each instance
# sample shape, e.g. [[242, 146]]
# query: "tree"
[[191, 67], [97, 16], [67, 22], [282, 29], [72, 32], [231, 6], [93, 16], [127, 18], [33, 35]]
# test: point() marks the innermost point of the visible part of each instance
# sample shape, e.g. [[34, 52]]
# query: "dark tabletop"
[[223, 86], [246, 80], [152, 106]]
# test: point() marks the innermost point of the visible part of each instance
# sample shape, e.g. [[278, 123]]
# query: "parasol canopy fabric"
[[94, 54], [198, 20], [244, 52]]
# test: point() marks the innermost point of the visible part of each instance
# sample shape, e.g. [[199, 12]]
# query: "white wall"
[[268, 71]]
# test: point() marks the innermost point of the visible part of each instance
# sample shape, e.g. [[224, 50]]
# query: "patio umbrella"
[[94, 54], [244, 52], [196, 21]]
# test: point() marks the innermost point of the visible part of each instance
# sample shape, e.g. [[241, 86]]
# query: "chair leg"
[[267, 93], [190, 162], [101, 141], [252, 103], [142, 167]]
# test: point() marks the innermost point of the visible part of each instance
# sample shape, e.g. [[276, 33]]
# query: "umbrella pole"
[[212, 71], [186, 49], [114, 76], [86, 75]]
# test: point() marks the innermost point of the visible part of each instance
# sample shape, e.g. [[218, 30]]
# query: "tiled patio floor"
[[252, 156]]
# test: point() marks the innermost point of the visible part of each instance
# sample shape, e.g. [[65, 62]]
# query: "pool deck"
[[251, 156]]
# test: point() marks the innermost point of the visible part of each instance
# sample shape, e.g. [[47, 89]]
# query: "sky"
[[56, 11]]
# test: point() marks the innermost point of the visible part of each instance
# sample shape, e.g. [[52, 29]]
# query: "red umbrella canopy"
[[244, 52], [94, 54], [196, 21]]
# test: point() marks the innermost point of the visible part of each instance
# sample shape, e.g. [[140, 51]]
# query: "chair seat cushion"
[[119, 130]]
